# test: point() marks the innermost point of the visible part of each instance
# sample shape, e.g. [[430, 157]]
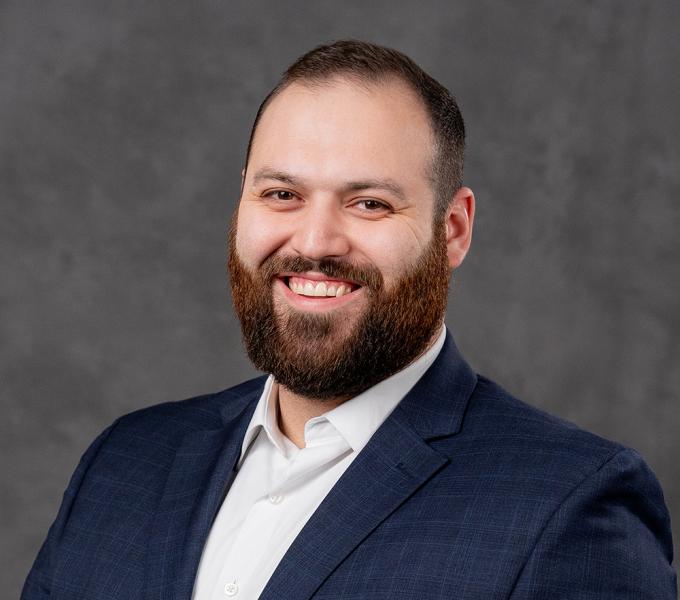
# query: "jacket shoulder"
[[204, 412], [139, 448], [151, 436], [525, 438]]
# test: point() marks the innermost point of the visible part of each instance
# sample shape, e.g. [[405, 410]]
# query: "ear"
[[459, 220]]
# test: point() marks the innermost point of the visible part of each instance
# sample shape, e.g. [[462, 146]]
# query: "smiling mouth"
[[324, 288]]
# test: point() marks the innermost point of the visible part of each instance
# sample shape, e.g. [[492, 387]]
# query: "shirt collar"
[[357, 419], [266, 417]]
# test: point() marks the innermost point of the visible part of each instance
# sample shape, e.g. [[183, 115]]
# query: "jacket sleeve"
[[609, 540], [38, 582]]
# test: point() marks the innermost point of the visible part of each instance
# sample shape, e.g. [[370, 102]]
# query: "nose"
[[320, 233]]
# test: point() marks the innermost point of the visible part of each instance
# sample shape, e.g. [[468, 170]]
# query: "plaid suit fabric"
[[464, 492]]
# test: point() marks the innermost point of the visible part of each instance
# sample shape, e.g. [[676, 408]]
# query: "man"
[[372, 462]]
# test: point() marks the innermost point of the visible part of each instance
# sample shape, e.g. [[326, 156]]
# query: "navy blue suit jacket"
[[464, 492]]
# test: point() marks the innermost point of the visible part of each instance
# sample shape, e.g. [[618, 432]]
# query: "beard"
[[328, 355]]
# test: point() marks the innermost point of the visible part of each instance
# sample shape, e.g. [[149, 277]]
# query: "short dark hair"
[[372, 63]]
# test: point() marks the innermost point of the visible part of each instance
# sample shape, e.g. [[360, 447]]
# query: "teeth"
[[319, 289]]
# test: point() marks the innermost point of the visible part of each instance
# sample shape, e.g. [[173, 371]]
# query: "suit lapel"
[[393, 465], [198, 479]]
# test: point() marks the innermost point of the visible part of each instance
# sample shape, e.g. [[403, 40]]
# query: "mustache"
[[366, 275]]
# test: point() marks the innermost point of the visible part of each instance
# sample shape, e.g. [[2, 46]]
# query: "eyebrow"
[[265, 173], [388, 185]]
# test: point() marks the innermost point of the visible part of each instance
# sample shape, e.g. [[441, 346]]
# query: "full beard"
[[324, 356]]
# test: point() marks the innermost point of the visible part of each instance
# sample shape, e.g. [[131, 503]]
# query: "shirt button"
[[231, 589], [275, 498]]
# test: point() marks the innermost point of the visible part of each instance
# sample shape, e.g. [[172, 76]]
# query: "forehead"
[[341, 129]]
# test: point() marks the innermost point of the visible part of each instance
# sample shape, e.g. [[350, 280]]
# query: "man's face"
[[338, 276]]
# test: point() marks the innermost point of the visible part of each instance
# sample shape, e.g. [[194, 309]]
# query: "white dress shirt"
[[278, 486]]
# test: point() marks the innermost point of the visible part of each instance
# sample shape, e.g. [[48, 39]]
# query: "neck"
[[295, 410]]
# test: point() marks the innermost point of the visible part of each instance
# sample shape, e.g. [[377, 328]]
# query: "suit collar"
[[435, 406]]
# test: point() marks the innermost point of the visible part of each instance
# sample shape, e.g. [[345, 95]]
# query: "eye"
[[372, 205], [284, 195]]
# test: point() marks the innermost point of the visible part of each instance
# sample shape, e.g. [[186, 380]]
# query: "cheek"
[[256, 237], [392, 253]]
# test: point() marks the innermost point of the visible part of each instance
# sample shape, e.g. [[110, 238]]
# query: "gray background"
[[122, 131]]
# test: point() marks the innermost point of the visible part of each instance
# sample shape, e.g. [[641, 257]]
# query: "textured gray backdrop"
[[122, 131]]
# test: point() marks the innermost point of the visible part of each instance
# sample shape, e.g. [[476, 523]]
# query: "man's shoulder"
[[168, 422], [139, 448], [526, 438]]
